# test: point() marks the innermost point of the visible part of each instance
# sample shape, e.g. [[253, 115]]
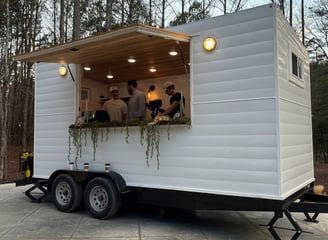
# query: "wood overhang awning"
[[110, 52]]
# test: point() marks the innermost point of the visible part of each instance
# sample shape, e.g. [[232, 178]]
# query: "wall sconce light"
[[62, 70], [209, 44], [150, 89]]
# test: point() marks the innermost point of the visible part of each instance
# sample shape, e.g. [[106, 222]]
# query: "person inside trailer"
[[177, 101], [137, 102], [115, 107]]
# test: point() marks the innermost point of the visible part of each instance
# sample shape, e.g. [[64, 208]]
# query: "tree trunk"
[[54, 21], [109, 14], [291, 12], [3, 103], [122, 12], [163, 13], [150, 17], [282, 6], [76, 19], [303, 22], [225, 7], [183, 11], [3, 139], [130, 12], [61, 22]]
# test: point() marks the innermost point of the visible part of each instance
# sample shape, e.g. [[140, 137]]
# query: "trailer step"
[[38, 196]]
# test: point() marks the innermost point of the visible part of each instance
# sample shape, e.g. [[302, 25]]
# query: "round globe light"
[[209, 44]]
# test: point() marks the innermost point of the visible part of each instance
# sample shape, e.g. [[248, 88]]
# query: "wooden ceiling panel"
[[110, 52], [147, 52]]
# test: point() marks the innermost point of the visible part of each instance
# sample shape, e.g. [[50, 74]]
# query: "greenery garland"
[[149, 133]]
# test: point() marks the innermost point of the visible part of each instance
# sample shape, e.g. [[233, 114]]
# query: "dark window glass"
[[294, 65]]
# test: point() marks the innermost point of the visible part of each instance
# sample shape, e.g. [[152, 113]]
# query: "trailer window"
[[296, 66], [85, 94]]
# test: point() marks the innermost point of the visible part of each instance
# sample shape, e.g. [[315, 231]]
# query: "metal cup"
[[107, 167], [86, 167], [71, 166]]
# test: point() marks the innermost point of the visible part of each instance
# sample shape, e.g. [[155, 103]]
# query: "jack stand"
[[278, 215], [40, 184], [312, 219]]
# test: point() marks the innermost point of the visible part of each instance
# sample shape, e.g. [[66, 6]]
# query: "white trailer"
[[249, 143]]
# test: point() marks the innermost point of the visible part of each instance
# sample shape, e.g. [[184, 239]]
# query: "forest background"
[[28, 25]]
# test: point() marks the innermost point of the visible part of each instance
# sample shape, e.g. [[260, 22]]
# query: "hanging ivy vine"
[[149, 134], [75, 137], [152, 140]]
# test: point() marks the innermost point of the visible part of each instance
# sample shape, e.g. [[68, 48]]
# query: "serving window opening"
[[95, 93], [156, 60]]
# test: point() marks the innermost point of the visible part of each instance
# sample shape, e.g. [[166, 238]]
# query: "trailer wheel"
[[101, 198], [67, 193]]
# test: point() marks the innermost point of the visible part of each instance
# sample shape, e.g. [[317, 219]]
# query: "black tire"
[[101, 198], [66, 193]]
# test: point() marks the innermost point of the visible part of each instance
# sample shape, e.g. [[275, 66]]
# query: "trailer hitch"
[[311, 203], [306, 204]]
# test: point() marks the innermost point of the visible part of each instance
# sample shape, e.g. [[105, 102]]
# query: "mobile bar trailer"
[[247, 143]]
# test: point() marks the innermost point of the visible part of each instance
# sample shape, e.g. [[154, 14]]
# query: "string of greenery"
[[149, 134]]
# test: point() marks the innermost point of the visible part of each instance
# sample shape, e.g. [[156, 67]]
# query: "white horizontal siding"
[[191, 160], [296, 154], [286, 40], [54, 112], [242, 65], [296, 146], [231, 147], [233, 103], [248, 15]]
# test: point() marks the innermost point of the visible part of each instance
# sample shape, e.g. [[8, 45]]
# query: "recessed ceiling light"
[[152, 69], [132, 60], [87, 67], [173, 53], [109, 76]]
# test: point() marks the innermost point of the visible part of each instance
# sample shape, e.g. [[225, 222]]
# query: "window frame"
[[85, 92], [298, 78]]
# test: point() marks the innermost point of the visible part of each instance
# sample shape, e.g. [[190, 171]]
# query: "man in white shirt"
[[116, 107]]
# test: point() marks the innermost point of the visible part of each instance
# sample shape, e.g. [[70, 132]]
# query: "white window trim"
[[87, 94], [292, 77]]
